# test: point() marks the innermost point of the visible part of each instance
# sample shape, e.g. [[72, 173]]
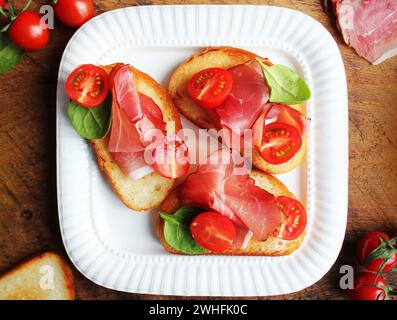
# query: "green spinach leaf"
[[285, 84], [177, 230], [10, 54], [91, 123]]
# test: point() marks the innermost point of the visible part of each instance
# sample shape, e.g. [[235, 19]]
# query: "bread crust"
[[223, 57], [149, 191], [25, 293], [270, 247]]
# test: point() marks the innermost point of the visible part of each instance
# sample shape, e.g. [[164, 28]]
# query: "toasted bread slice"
[[45, 277], [270, 247], [149, 191], [223, 57]]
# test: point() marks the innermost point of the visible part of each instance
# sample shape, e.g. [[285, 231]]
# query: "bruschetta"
[[114, 107], [236, 90], [223, 209]]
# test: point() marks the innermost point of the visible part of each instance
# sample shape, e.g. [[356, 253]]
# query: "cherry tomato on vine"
[[74, 13], [29, 32], [368, 286], [385, 251]]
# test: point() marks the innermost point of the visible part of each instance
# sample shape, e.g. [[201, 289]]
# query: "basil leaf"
[[177, 230], [91, 123], [10, 54], [285, 84]]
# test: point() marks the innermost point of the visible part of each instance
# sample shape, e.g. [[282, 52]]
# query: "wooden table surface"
[[28, 205]]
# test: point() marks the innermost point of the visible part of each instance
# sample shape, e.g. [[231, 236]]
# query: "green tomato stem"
[[12, 10], [3, 13], [5, 28], [26, 5]]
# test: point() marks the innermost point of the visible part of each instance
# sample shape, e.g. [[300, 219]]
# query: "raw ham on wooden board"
[[216, 186], [369, 26]]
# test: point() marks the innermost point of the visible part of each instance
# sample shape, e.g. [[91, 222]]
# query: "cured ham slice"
[[132, 164], [277, 113], [133, 113], [123, 136], [369, 26], [285, 114], [216, 186], [133, 116], [256, 207], [247, 99], [243, 236]]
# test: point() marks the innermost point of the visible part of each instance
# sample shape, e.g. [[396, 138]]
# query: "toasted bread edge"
[[153, 183], [224, 57], [270, 247]]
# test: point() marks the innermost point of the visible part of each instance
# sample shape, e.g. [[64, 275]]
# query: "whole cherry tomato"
[[385, 251], [368, 286], [74, 13], [3, 4], [29, 32]]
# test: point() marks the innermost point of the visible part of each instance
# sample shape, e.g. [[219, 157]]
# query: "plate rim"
[[137, 290]]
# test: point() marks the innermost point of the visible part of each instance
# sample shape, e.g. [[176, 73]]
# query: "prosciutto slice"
[[277, 113], [132, 164], [247, 99], [369, 26], [133, 115], [215, 186]]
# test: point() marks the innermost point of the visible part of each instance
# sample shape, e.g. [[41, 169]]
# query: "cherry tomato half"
[[210, 87], [368, 243], [367, 286], [280, 142], [74, 13], [294, 218], [171, 158], [213, 231], [28, 32], [87, 85]]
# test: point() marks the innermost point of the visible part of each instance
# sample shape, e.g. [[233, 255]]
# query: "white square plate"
[[118, 248]]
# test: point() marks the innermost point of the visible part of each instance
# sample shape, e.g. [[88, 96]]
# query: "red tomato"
[[3, 4], [171, 158], [213, 231], [367, 286], [87, 85], [210, 87], [294, 218], [29, 32], [280, 142], [74, 13], [371, 241]]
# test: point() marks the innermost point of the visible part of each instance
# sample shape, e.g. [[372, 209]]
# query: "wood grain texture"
[[28, 210]]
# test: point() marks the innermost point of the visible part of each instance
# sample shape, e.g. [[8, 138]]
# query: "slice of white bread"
[[223, 57], [45, 277], [149, 191], [270, 247]]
